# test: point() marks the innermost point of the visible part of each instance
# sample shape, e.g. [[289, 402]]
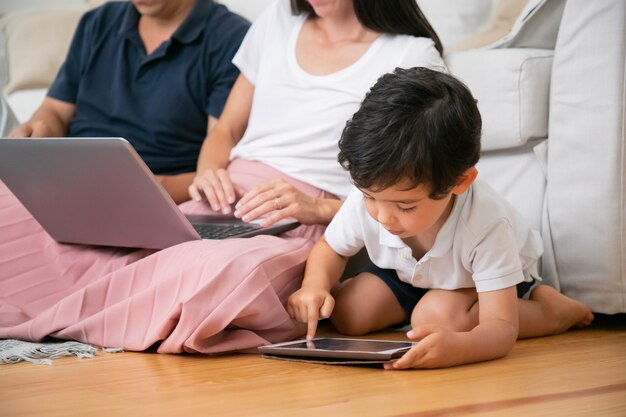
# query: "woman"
[[339, 47], [305, 67]]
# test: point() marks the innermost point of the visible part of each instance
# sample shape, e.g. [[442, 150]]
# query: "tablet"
[[339, 348]]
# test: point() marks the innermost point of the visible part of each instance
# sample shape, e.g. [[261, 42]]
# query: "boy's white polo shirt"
[[484, 243]]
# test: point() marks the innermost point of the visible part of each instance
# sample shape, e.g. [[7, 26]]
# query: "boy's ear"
[[465, 180]]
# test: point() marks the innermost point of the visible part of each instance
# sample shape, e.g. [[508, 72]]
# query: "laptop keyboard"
[[223, 231]]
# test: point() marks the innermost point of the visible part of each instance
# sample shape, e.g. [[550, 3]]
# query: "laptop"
[[98, 191]]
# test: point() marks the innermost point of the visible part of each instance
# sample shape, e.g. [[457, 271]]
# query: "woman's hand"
[[217, 187], [278, 199]]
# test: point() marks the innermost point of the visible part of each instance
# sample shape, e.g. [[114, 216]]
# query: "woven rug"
[[13, 351]]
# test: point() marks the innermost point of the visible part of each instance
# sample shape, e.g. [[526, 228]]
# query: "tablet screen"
[[359, 345], [346, 348]]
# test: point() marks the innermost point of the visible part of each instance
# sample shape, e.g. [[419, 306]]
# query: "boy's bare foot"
[[560, 311]]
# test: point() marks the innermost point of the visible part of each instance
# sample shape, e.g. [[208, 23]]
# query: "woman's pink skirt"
[[200, 296]]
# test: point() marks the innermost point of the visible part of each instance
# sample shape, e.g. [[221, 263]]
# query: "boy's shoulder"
[[354, 201], [483, 208], [353, 211], [486, 194]]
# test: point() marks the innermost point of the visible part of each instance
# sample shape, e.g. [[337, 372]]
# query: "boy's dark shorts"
[[408, 296]]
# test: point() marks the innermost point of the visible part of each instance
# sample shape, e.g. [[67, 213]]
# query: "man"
[[156, 72]]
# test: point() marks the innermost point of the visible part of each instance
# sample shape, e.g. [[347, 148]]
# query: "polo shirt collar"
[[194, 23], [131, 20], [389, 240], [445, 237], [187, 32]]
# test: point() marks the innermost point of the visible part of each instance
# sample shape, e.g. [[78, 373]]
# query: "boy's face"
[[407, 212]]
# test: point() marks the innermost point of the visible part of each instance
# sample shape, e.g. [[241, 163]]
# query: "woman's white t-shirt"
[[484, 243], [297, 118]]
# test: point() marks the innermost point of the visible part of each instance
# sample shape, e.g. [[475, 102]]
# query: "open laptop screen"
[[98, 191]]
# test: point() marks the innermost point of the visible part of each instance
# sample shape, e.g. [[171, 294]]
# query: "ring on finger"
[[277, 203]]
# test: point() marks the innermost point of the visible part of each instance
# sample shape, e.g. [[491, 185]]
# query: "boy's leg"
[[456, 310], [546, 312], [364, 304], [550, 312]]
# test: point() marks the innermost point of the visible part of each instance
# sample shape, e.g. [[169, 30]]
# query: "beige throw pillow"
[[504, 14], [37, 41], [96, 3]]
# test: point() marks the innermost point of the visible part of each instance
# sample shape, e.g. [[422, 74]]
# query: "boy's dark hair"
[[397, 17], [415, 124]]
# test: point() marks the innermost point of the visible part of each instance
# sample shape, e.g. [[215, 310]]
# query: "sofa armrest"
[[8, 121], [512, 87]]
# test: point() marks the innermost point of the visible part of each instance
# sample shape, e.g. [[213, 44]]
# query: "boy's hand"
[[309, 305], [438, 348]]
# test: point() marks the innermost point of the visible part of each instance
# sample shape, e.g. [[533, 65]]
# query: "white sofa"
[[552, 97], [551, 92]]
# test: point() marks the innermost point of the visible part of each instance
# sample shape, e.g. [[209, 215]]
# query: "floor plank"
[[579, 373]]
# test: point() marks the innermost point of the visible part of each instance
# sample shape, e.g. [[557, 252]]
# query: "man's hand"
[[51, 119], [36, 129], [217, 187]]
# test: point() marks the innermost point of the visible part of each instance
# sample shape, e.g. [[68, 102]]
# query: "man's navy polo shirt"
[[160, 102]]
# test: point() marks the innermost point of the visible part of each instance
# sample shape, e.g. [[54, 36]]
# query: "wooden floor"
[[580, 373]]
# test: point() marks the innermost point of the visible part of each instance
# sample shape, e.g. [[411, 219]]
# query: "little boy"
[[449, 255]]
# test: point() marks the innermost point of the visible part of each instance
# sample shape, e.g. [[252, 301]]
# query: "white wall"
[[247, 8], [453, 19], [9, 5]]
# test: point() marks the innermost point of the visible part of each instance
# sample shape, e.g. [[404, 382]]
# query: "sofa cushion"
[[512, 88], [37, 41]]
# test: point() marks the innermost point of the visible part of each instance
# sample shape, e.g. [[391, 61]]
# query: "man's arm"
[[177, 186], [222, 135], [51, 119]]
